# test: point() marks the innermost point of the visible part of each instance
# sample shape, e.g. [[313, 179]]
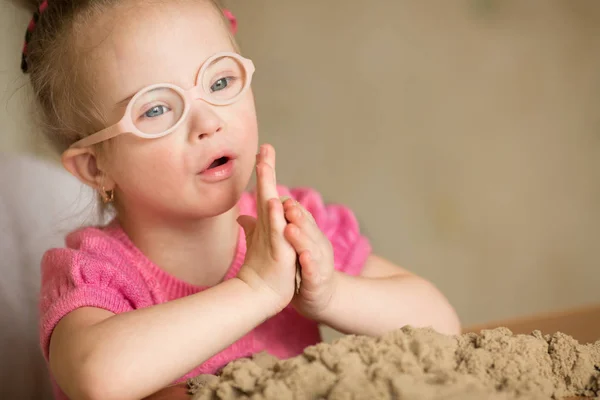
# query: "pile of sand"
[[417, 364]]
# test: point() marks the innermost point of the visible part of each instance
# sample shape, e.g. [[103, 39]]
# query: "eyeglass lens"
[[159, 109]]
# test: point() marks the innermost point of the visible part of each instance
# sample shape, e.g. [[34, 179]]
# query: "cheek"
[[246, 121], [145, 164]]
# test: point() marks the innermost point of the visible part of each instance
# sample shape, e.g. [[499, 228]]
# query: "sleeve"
[[350, 247], [72, 279]]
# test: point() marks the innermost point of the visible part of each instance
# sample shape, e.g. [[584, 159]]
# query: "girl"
[[150, 104]]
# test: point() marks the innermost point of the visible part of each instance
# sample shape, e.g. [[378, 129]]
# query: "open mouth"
[[218, 162], [219, 169]]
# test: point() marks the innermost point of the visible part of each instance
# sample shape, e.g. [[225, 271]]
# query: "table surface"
[[582, 323]]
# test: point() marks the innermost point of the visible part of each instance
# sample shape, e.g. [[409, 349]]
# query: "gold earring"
[[107, 195]]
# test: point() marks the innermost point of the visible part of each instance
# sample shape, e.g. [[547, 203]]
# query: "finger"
[[277, 220], [284, 199], [307, 213], [307, 265], [268, 157], [300, 217], [265, 192], [266, 186], [299, 240], [277, 224], [287, 202], [307, 274], [291, 203]]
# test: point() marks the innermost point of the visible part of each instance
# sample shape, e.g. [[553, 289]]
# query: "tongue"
[[218, 162]]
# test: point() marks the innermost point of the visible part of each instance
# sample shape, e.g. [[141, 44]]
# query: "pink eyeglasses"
[[160, 109]]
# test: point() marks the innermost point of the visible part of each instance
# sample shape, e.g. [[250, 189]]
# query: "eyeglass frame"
[[197, 92]]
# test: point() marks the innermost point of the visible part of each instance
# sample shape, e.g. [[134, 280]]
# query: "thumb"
[[248, 223]]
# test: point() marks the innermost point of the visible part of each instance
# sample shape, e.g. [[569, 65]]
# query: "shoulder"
[[88, 253], [94, 263]]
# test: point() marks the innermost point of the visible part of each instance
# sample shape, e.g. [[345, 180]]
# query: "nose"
[[204, 121]]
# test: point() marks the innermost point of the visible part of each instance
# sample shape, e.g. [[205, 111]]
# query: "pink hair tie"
[[232, 20]]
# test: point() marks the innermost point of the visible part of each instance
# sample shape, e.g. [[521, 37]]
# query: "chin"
[[224, 205], [216, 201]]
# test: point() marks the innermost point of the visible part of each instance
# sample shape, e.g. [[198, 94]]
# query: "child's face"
[[167, 42]]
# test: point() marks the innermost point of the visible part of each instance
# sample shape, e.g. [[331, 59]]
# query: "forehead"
[[150, 42]]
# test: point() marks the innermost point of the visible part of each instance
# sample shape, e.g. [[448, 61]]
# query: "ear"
[[83, 164]]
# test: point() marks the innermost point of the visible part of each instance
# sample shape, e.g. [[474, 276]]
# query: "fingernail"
[[263, 150]]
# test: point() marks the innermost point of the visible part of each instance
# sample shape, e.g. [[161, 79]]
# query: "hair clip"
[[30, 28], [232, 20]]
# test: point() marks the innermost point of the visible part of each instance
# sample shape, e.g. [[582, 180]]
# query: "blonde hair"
[[67, 112]]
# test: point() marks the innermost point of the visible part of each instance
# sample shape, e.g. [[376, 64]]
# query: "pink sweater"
[[101, 267]]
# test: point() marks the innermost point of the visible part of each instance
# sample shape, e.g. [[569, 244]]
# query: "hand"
[[315, 255], [270, 264]]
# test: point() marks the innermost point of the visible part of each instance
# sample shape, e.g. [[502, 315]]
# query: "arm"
[[386, 297], [95, 354]]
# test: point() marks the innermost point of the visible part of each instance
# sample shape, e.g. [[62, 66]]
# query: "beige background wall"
[[15, 129], [464, 134]]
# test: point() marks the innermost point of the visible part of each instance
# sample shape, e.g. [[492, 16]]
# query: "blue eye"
[[220, 84], [156, 111]]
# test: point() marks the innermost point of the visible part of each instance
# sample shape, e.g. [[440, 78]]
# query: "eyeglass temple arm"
[[105, 134]]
